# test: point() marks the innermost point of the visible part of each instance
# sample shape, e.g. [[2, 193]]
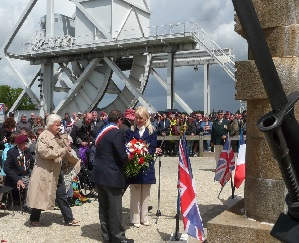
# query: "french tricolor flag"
[[240, 166]]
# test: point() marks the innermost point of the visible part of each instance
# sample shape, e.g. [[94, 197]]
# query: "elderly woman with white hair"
[[46, 182]]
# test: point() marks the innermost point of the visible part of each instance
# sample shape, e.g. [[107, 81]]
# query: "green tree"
[[9, 95]]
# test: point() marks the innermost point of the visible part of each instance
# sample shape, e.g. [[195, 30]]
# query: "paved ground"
[[15, 228]]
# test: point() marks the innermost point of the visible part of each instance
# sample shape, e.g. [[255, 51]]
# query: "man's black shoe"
[[127, 241], [150, 208]]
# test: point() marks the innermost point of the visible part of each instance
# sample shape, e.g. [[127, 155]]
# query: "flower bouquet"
[[139, 157]]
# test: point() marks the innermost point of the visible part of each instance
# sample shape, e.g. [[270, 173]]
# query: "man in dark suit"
[[18, 165], [219, 132], [108, 175]]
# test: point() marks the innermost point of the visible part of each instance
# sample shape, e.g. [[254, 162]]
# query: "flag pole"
[[158, 213], [233, 187], [177, 218], [220, 191]]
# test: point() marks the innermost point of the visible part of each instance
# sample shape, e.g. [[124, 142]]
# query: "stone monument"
[[251, 219]]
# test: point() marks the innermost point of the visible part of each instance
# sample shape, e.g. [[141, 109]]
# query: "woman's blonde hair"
[[142, 111]]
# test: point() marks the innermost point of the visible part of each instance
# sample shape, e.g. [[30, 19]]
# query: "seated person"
[[18, 166], [7, 146]]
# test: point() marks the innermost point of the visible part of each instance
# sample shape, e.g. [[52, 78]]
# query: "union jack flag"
[[226, 164], [191, 216]]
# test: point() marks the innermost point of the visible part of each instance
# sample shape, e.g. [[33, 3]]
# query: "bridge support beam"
[[170, 81], [206, 88]]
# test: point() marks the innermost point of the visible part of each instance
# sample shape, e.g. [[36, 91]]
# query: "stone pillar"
[[264, 187]]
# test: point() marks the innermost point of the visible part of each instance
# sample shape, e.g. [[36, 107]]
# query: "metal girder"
[[116, 48], [137, 94], [178, 99], [206, 90], [50, 19], [47, 88], [77, 86], [68, 72], [25, 91], [185, 58], [170, 81], [30, 93], [18, 25], [92, 19], [139, 7]]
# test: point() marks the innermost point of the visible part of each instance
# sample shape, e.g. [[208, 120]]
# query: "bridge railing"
[[200, 138]]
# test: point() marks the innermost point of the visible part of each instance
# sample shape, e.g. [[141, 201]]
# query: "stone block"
[[274, 13], [264, 198], [283, 41], [256, 109], [249, 84], [233, 226], [259, 161]]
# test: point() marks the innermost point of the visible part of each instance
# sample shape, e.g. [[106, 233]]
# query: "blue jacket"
[[147, 176]]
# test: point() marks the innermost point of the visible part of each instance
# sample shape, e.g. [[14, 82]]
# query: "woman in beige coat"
[[44, 178]]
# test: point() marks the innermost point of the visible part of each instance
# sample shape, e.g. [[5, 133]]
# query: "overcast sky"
[[216, 17]]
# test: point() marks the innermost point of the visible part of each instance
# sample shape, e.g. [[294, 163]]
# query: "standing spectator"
[[23, 123], [79, 115], [74, 118], [38, 123], [83, 138], [154, 121], [206, 126], [104, 117], [108, 175], [46, 180], [164, 130], [191, 130], [67, 123], [81, 132], [31, 119], [141, 184], [197, 122], [96, 123], [219, 132], [227, 115], [183, 123]]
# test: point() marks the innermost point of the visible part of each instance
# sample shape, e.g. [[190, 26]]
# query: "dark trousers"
[[61, 198], [110, 213]]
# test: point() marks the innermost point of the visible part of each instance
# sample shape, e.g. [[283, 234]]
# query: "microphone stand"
[[158, 213]]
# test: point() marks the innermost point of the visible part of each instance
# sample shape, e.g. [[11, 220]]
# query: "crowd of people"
[[41, 154]]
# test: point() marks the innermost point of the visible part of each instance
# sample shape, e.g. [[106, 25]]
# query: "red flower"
[[141, 161]]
